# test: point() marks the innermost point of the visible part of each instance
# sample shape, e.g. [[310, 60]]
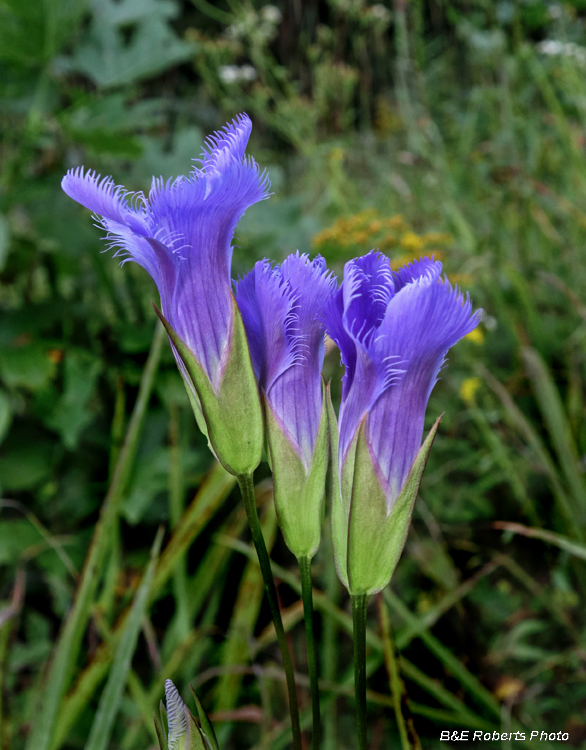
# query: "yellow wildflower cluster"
[[476, 336], [468, 389], [355, 235]]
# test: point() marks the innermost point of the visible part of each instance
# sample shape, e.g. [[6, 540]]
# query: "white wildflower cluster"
[[257, 26], [271, 14], [556, 48], [237, 73], [380, 14]]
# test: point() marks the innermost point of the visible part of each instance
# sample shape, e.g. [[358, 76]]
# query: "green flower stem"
[[246, 484], [307, 596], [359, 604]]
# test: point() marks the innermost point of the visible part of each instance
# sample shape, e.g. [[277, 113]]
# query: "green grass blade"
[[245, 613], [501, 455], [459, 671], [212, 492], [407, 733], [110, 701], [344, 621], [573, 548], [71, 635], [516, 417], [551, 407]]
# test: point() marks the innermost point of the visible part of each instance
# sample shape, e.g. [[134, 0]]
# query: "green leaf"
[[375, 537], [160, 733], [28, 366], [5, 415], [26, 466], [298, 492], [33, 32], [107, 60], [16, 536], [233, 415], [160, 160], [71, 413], [109, 705]]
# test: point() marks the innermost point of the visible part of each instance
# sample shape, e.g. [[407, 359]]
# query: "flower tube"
[[281, 307], [181, 234], [393, 330]]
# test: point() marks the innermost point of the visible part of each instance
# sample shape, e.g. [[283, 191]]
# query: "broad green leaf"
[[27, 365], [108, 60], [26, 466], [71, 413], [33, 32], [16, 536]]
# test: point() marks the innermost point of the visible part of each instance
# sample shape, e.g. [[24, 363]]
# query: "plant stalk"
[[246, 485], [359, 604], [407, 733], [307, 596]]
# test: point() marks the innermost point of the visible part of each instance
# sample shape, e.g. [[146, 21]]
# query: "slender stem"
[[307, 596], [247, 489], [176, 510], [407, 733], [359, 603]]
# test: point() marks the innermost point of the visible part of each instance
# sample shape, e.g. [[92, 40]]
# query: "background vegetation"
[[454, 126]]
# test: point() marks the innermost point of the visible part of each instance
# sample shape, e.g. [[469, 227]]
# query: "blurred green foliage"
[[466, 118]]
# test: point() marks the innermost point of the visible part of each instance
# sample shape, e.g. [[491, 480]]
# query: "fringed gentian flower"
[[393, 330], [182, 234], [282, 308]]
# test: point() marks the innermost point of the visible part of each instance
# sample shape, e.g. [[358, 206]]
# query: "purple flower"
[[282, 307], [182, 234], [393, 330]]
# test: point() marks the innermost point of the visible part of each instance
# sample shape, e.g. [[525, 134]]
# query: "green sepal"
[[339, 513], [194, 739], [376, 537], [233, 414], [160, 734], [163, 714], [206, 724], [298, 490]]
